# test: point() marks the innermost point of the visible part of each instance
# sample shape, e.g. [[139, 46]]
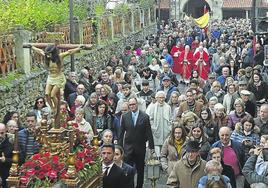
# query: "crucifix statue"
[[56, 78]]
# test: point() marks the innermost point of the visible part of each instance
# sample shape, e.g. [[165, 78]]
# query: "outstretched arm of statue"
[[38, 50], [72, 51]]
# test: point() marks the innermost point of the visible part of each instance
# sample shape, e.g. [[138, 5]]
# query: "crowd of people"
[[195, 99]]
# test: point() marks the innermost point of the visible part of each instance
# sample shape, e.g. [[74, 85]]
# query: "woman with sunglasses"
[[38, 105]]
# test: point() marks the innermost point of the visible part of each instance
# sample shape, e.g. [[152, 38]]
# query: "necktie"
[[134, 119], [106, 171]]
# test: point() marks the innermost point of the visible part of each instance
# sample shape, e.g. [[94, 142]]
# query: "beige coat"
[[169, 156], [183, 176], [184, 108]]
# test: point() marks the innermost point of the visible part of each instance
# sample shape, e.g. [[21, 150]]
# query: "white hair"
[[213, 164], [213, 99], [81, 98], [158, 93], [219, 107]]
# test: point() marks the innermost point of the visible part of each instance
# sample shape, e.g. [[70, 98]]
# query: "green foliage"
[[36, 14], [8, 80], [89, 171], [122, 8], [146, 3], [99, 9]]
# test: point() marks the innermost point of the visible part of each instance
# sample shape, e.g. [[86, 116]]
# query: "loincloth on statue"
[[58, 81]]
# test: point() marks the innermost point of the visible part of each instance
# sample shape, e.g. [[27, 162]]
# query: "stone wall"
[[21, 93]]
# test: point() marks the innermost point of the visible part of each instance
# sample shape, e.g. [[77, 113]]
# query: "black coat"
[[115, 178], [129, 173], [134, 138], [229, 172], [5, 147], [70, 87], [251, 108], [260, 92], [87, 84]]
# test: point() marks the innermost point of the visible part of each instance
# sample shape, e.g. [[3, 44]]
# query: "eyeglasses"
[[133, 104], [214, 178], [40, 102]]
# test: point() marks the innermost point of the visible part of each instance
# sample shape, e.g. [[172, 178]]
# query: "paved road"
[[161, 183]]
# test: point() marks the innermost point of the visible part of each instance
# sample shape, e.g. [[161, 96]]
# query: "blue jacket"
[[26, 144], [238, 148], [170, 90], [169, 60], [203, 180], [216, 34]]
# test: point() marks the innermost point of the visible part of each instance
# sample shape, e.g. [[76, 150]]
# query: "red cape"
[[185, 68], [175, 59], [203, 69]]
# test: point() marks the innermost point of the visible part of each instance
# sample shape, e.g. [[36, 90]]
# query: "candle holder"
[[153, 171], [72, 180], [95, 141], [15, 161], [13, 180]]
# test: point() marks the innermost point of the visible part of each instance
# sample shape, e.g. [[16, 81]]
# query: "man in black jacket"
[[135, 132], [113, 176], [128, 170], [6, 149]]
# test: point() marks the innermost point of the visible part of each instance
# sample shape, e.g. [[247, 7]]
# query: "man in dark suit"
[[135, 132], [6, 149], [80, 90], [128, 170], [113, 176]]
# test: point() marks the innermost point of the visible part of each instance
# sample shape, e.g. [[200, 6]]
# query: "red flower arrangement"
[[87, 161], [42, 169]]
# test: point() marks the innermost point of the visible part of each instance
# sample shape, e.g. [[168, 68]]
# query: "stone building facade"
[[216, 7]]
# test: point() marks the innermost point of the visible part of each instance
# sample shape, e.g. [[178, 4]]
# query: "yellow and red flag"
[[199, 11]]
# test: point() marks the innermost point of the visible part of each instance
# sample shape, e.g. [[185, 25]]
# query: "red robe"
[[201, 64], [175, 49], [185, 64]]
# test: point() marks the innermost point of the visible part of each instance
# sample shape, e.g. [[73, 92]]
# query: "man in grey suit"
[[135, 132]]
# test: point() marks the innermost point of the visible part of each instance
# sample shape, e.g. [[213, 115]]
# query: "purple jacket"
[[234, 118]]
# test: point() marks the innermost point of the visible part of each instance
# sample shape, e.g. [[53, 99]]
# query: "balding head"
[[124, 107], [2, 132], [225, 134], [2, 126], [80, 89], [264, 112]]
